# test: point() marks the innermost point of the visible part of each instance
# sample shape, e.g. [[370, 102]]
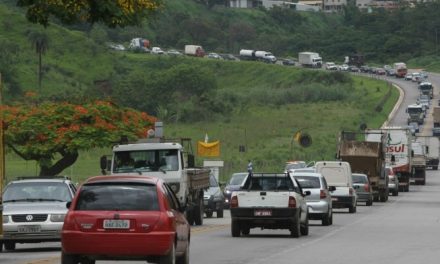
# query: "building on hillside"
[[333, 5], [245, 3], [304, 6]]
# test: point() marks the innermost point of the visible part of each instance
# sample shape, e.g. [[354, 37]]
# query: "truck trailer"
[[257, 55], [194, 50]]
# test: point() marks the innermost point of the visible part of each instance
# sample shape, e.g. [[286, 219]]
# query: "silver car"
[[319, 201], [363, 188], [34, 210]]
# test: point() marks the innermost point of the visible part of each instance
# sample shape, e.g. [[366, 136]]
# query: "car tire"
[[69, 258], [9, 245], [198, 213], [170, 258], [209, 214], [1, 246], [184, 259], [326, 219], [305, 227], [87, 261], [369, 202], [190, 216], [220, 213], [352, 209], [235, 228], [246, 230], [396, 193], [295, 229]]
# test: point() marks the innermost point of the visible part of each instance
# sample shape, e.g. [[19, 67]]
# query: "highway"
[[402, 230]]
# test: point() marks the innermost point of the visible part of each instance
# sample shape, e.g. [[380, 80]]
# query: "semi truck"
[[139, 44], [169, 159], [397, 151], [257, 55], [418, 174], [416, 113], [431, 147], [310, 59], [400, 69], [436, 121], [194, 50], [367, 157], [426, 88]]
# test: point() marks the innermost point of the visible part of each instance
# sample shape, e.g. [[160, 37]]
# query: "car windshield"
[[146, 160], [415, 110], [292, 166], [308, 182], [37, 191], [118, 197], [237, 178], [359, 179]]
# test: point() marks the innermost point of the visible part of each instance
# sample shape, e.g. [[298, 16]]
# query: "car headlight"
[[228, 192], [5, 219], [57, 217]]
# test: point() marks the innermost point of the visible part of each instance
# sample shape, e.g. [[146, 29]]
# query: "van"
[[338, 175]]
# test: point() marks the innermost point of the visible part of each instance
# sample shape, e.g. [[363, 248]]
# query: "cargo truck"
[[257, 55], [170, 160], [397, 151], [194, 50], [310, 59], [436, 121], [367, 157], [426, 88], [416, 113], [418, 174], [431, 147], [400, 69]]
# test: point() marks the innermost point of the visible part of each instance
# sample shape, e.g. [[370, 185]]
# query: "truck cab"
[[416, 113]]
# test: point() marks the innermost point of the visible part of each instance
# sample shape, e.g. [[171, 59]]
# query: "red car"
[[125, 218]]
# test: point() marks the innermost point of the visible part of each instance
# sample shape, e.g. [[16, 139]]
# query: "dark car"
[[213, 199], [233, 185], [125, 218], [288, 62]]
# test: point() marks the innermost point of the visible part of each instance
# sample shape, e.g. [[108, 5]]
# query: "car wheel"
[[209, 214], [235, 228], [69, 258], [198, 213], [352, 209], [331, 217], [396, 193], [87, 261], [170, 258], [9, 245], [1, 246], [326, 219], [246, 230], [295, 229], [184, 259], [220, 213], [369, 203], [305, 227]]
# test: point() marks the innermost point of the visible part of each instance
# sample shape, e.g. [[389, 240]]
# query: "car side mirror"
[[68, 204], [307, 193], [332, 188]]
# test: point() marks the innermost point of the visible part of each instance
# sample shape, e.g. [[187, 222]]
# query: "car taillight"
[[166, 222], [367, 187], [234, 202], [292, 202], [350, 191], [322, 195]]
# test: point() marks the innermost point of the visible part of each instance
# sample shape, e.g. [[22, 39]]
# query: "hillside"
[[240, 103]]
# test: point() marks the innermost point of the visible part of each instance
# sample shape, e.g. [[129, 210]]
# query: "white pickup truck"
[[269, 201]]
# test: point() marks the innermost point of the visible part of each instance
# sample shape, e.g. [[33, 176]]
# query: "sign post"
[[2, 161]]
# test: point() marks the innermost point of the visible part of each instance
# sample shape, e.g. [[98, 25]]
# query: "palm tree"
[[40, 41]]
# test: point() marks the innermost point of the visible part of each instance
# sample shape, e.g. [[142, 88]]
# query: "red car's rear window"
[[118, 196]]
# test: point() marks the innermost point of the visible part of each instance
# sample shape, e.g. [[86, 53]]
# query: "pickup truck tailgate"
[[263, 199]]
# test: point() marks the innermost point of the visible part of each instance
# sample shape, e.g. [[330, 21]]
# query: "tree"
[[110, 12], [53, 133], [40, 41]]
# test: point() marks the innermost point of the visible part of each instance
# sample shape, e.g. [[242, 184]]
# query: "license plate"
[[116, 224], [334, 199], [262, 213], [29, 229]]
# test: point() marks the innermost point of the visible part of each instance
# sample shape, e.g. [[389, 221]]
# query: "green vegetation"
[[253, 104]]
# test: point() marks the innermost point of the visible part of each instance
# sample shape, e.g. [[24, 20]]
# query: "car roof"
[[359, 174], [122, 178], [309, 174]]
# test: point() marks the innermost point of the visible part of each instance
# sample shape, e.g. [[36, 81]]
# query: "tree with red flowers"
[[53, 133]]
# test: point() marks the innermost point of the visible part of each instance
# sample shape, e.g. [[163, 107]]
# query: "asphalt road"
[[403, 230]]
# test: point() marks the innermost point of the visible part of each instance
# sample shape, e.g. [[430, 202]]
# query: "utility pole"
[[2, 159]]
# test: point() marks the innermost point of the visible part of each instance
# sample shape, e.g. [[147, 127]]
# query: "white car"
[[408, 77], [331, 66], [156, 50], [343, 67], [269, 201]]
